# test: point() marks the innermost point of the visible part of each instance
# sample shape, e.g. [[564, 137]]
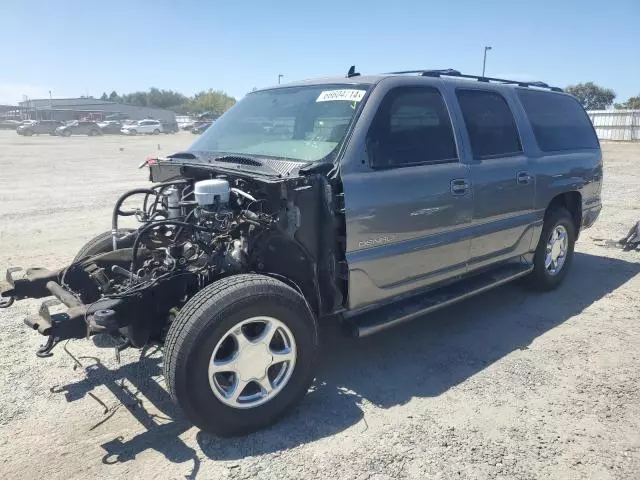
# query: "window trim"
[[515, 123], [431, 88]]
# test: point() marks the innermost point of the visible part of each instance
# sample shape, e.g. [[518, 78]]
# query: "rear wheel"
[[133, 132], [554, 253], [156, 132], [241, 354], [66, 133]]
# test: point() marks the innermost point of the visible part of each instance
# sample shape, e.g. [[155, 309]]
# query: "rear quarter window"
[[559, 122]]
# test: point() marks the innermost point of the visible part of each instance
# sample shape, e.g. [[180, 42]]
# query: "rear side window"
[[559, 122], [412, 127], [490, 124]]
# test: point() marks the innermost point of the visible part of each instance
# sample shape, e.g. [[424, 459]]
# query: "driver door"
[[409, 211]]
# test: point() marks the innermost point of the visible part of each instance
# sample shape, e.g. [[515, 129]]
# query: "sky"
[[75, 48]]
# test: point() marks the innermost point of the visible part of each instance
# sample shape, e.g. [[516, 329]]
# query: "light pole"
[[484, 62], [279, 77]]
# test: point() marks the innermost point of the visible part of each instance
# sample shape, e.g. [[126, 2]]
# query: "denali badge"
[[375, 242]]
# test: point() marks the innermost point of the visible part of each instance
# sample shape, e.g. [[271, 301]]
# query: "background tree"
[[104, 96], [633, 103], [592, 96], [214, 101]]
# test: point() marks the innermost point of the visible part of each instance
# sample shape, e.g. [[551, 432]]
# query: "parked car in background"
[[39, 128], [79, 128], [143, 126], [117, 116], [110, 127], [200, 127], [9, 124], [170, 127]]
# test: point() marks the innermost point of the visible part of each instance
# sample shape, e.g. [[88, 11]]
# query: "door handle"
[[460, 186], [523, 178]]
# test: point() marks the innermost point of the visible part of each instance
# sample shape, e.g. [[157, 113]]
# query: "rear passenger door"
[[408, 212], [503, 178]]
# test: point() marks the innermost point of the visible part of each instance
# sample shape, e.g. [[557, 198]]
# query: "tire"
[[206, 320], [66, 133], [94, 133], [103, 243], [156, 132], [133, 132], [28, 133], [543, 278]]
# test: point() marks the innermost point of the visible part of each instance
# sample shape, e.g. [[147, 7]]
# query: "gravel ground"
[[506, 385]]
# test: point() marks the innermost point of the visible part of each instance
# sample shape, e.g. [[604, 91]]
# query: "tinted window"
[[412, 126], [559, 122], [492, 129]]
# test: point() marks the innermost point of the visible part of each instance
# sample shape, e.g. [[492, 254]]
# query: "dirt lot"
[[507, 385]]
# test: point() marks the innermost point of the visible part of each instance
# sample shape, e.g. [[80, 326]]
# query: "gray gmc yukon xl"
[[367, 200]]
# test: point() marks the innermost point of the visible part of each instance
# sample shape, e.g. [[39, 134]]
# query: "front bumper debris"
[[64, 316]]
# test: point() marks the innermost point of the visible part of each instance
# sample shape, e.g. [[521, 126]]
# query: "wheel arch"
[[286, 260], [572, 202]]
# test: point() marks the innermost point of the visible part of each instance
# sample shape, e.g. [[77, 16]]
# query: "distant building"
[[89, 108]]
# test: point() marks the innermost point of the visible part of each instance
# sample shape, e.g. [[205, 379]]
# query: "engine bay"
[[205, 228]]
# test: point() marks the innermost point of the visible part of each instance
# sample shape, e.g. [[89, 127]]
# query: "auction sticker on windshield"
[[347, 95]]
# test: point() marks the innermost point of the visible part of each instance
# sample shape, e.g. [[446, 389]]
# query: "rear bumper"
[[590, 215]]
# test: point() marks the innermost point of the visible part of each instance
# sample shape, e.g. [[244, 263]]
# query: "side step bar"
[[392, 314]]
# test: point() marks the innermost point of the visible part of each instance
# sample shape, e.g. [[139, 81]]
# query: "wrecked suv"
[[367, 200]]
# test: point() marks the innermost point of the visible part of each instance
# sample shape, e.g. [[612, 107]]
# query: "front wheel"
[[156, 132], [554, 253], [241, 354]]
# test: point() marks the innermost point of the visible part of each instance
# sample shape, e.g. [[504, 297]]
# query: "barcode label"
[[348, 95]]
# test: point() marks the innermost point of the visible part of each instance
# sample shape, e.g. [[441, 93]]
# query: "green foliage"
[[633, 103], [214, 101], [104, 96], [592, 96]]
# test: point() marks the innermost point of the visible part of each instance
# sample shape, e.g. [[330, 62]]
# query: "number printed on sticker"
[[348, 95]]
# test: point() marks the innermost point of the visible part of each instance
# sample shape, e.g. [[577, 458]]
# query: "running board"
[[392, 314]]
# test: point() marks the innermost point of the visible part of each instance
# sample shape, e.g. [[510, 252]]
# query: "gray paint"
[[406, 231]]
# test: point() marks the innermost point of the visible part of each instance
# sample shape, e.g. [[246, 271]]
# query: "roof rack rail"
[[450, 72]]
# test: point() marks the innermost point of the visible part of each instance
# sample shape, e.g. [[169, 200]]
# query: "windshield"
[[299, 123]]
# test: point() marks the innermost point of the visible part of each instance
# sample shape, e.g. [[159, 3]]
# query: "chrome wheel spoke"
[[245, 371], [241, 339], [556, 251], [267, 336], [282, 356], [238, 387], [265, 385], [222, 366]]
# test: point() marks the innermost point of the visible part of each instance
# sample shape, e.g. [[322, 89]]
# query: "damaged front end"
[[197, 225], [76, 307]]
